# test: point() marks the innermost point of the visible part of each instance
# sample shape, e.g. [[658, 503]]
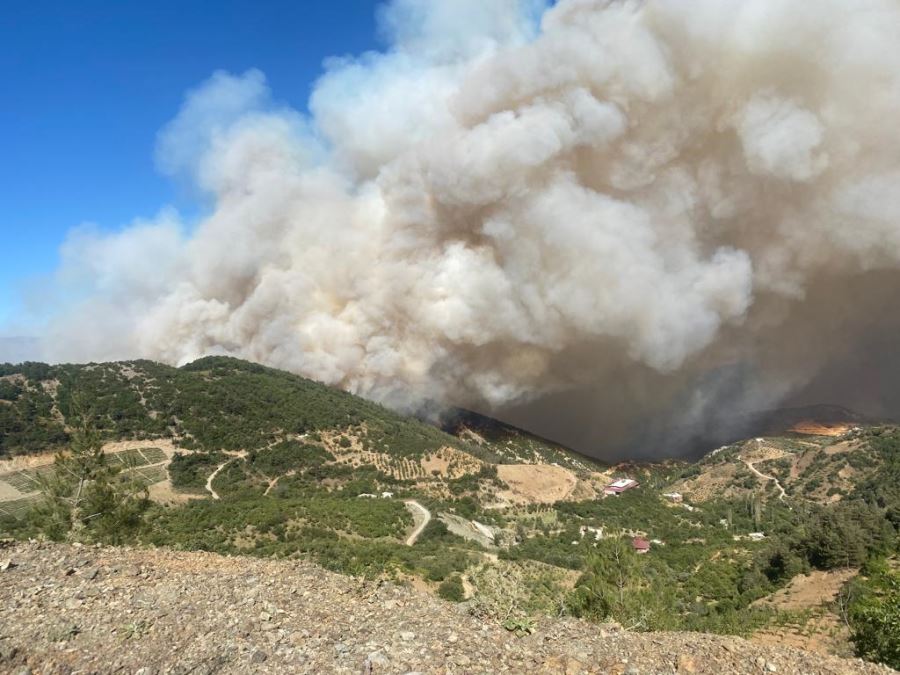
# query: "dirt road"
[[422, 517], [209, 481], [231, 456], [781, 492]]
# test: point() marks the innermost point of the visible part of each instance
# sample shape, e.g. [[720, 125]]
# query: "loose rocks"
[[159, 612]]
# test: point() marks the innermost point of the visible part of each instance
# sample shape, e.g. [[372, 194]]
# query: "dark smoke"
[[628, 227]]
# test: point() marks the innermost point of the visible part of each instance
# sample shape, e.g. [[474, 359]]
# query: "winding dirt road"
[[423, 514], [209, 487], [781, 492], [231, 456]]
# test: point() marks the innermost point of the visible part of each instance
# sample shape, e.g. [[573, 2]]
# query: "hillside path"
[[423, 513], [759, 473], [231, 455], [274, 481], [209, 487]]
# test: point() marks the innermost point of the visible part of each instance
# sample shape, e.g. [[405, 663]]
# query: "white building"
[[619, 486]]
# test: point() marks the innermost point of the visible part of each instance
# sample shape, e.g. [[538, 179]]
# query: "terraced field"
[[27, 480], [20, 488], [445, 463], [138, 457], [17, 507], [151, 474]]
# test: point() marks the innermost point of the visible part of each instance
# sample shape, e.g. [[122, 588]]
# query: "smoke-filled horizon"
[[617, 223]]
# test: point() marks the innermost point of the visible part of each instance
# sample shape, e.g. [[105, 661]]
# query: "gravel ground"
[[79, 609]]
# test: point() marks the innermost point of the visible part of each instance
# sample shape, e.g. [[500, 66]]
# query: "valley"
[[228, 457]]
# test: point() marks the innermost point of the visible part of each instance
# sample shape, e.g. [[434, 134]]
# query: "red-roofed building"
[[640, 545]]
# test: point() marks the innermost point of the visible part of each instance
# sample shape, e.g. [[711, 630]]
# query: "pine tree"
[[86, 498]]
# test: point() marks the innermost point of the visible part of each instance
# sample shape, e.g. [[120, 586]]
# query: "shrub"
[[875, 617], [452, 589], [190, 471]]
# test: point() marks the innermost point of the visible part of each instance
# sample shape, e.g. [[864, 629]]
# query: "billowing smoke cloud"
[[585, 215]]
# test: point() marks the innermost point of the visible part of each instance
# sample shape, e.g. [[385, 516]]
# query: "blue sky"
[[87, 85]]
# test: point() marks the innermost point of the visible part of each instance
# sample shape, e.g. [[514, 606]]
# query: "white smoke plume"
[[513, 202]]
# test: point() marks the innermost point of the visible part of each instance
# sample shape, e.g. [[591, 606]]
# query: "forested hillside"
[[212, 404], [231, 457]]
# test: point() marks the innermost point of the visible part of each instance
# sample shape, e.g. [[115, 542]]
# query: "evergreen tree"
[[621, 585], [85, 498]]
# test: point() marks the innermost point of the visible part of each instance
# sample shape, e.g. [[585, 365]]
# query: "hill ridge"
[[231, 457]]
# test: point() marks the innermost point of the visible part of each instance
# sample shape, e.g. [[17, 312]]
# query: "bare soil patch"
[[161, 491], [536, 483], [816, 626], [800, 465], [809, 590], [164, 444], [715, 482], [164, 493], [584, 491], [465, 529], [44, 458], [811, 428], [8, 492], [451, 463], [838, 448], [21, 462]]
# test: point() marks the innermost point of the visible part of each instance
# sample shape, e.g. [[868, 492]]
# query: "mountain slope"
[[63, 608], [817, 467], [511, 444], [220, 403], [241, 459], [215, 403]]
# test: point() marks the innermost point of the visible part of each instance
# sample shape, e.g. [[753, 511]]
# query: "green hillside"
[[808, 468], [228, 456], [220, 403], [215, 403]]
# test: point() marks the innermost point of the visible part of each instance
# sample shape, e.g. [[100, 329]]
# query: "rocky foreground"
[[78, 609]]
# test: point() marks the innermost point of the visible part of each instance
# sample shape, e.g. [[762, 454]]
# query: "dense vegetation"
[[88, 497], [274, 441], [213, 404], [27, 420], [875, 613], [190, 471], [882, 489]]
